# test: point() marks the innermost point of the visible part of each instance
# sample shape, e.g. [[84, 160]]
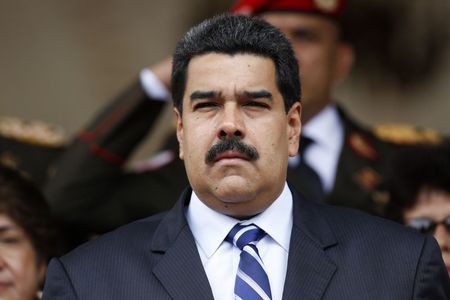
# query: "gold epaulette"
[[32, 132], [406, 134]]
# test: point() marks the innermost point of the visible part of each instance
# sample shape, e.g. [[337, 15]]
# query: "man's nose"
[[443, 237], [232, 123]]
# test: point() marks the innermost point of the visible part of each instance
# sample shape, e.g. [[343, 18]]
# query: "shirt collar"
[[212, 227], [319, 128], [326, 131]]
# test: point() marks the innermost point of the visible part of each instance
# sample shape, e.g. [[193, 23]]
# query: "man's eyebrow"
[[305, 32], [197, 95], [257, 94]]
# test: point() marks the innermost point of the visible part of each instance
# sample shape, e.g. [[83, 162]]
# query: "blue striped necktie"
[[251, 278]]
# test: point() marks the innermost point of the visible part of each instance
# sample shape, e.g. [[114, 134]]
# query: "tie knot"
[[243, 235]]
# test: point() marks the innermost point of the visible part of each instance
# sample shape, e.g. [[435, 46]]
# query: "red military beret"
[[330, 8]]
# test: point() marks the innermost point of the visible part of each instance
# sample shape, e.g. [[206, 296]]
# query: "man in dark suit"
[[239, 231], [94, 190]]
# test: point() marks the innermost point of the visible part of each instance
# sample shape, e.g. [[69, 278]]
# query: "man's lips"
[[230, 155]]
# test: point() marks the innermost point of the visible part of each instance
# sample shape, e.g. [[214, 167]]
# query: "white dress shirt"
[[327, 132], [220, 258]]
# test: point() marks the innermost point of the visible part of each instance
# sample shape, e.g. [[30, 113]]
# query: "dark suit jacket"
[[92, 190], [334, 253]]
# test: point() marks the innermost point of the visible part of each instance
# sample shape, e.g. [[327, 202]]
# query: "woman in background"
[[420, 192], [27, 237]]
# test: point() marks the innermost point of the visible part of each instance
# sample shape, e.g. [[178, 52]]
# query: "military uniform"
[[31, 147], [361, 169], [91, 188]]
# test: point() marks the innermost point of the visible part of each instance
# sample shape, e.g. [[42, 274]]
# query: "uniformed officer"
[[30, 147], [340, 162]]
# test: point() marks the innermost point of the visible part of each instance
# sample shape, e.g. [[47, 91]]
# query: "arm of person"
[[90, 171], [432, 280]]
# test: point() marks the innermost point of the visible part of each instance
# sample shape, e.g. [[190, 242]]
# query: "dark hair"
[[413, 169], [24, 203], [231, 35]]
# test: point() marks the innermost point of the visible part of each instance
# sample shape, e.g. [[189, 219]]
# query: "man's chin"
[[242, 208], [234, 189]]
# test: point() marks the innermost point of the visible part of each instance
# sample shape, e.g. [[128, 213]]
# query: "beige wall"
[[62, 60], [424, 104]]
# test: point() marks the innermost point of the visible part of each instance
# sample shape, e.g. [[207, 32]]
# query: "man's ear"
[[179, 125], [345, 57], [294, 128]]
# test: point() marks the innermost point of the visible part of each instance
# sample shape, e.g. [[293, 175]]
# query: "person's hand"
[[163, 70]]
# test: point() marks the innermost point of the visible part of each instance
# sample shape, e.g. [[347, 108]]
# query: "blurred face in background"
[[323, 58], [431, 215], [20, 272]]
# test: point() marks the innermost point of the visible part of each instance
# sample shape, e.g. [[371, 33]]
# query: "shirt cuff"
[[153, 87]]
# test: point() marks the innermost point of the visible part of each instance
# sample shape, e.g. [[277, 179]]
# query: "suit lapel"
[[310, 270], [180, 269]]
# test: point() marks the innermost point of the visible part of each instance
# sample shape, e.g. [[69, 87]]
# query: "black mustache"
[[231, 144]]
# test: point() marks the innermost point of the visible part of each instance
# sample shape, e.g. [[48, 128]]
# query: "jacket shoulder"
[[374, 236], [121, 242]]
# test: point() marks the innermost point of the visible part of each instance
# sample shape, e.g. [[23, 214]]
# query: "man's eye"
[[202, 105], [305, 36], [256, 104]]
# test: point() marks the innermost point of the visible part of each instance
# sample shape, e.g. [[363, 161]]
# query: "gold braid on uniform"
[[405, 134], [32, 132]]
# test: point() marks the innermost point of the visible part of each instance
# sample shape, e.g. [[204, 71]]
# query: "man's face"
[[236, 98], [19, 273], [323, 59], [433, 205]]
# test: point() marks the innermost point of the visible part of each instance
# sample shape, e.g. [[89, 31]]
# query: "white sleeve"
[[153, 87]]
